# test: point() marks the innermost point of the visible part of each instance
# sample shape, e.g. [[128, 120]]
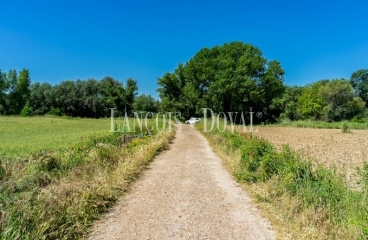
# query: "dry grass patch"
[[331, 147]]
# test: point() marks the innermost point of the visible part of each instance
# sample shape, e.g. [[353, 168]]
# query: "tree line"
[[80, 98], [235, 76], [327, 100]]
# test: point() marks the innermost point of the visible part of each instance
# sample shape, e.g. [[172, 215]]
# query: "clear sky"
[[67, 40]]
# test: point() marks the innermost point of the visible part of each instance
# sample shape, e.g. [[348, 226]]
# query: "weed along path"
[[186, 194]]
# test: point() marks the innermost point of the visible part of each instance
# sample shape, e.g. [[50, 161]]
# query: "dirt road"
[[186, 194]]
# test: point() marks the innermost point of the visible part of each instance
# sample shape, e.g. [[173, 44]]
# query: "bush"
[[26, 111], [345, 128], [54, 112]]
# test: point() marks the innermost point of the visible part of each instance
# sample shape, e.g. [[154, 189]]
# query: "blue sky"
[[68, 40]]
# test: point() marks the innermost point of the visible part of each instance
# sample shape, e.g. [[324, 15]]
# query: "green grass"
[[20, 136], [313, 200], [57, 194]]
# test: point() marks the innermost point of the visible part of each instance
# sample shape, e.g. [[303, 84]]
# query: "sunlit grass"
[[21, 136]]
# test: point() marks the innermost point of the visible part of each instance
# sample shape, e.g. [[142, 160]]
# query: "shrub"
[[26, 111], [345, 128], [55, 112]]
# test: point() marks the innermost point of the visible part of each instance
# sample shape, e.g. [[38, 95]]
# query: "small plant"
[[345, 128]]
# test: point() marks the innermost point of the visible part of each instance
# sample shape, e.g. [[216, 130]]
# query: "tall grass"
[[312, 201], [58, 194]]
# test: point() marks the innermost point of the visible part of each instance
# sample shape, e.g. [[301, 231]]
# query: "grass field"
[[21, 136]]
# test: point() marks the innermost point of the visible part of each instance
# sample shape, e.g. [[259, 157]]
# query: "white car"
[[192, 120]]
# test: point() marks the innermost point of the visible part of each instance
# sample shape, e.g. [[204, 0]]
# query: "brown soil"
[[186, 194], [331, 147]]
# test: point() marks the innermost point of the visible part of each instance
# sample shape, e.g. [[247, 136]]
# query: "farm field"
[[21, 136], [331, 147]]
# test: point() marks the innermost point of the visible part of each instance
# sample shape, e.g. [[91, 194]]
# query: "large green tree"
[[227, 78]]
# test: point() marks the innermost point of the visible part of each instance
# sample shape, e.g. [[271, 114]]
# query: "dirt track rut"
[[186, 194]]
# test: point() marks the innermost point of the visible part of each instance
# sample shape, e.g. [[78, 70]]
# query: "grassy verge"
[[57, 195], [345, 125], [303, 201]]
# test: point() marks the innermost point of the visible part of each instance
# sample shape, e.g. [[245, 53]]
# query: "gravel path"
[[186, 194]]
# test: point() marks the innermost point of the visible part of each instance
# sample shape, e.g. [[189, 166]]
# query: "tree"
[[310, 103], [68, 98], [91, 94], [287, 103], [112, 96], [339, 103], [41, 98], [272, 87], [355, 108], [145, 103], [227, 78], [22, 88], [359, 81], [131, 90], [170, 89], [3, 93], [13, 107]]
